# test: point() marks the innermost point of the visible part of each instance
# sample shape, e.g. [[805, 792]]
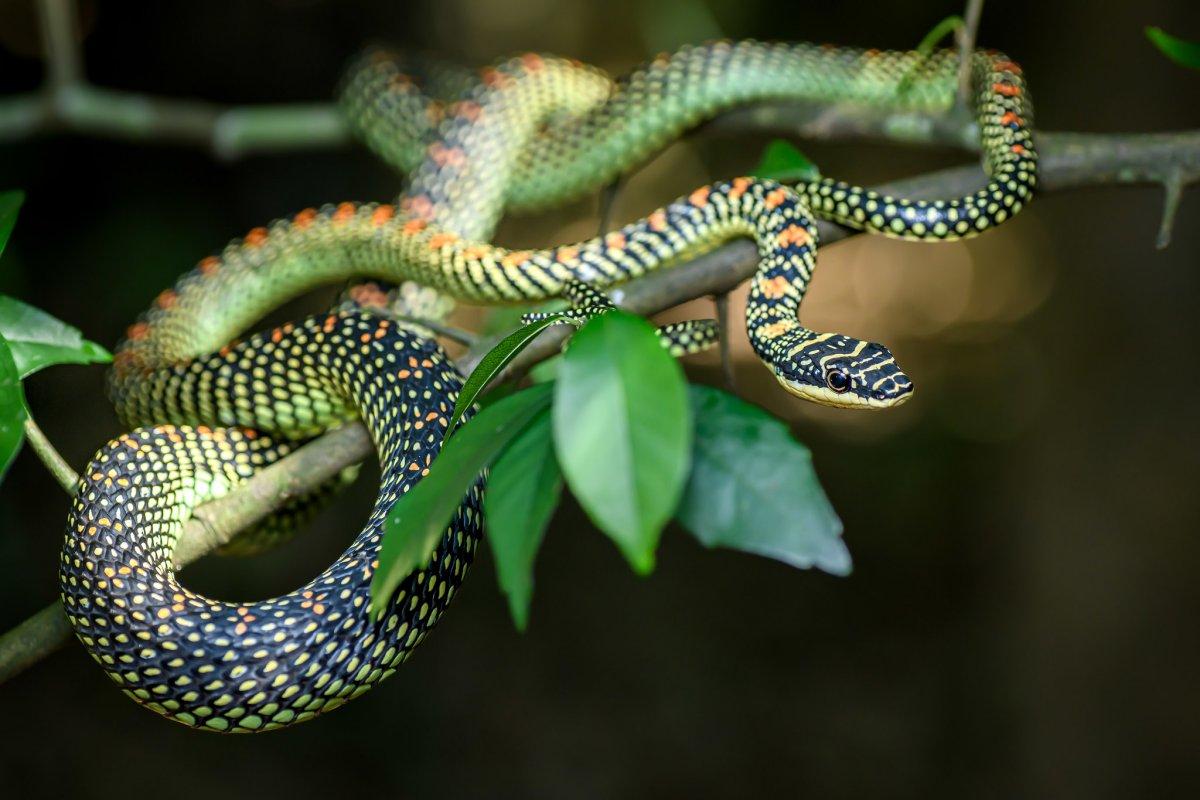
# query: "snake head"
[[836, 370]]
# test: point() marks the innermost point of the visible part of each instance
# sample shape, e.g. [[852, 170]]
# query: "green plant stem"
[[1068, 160], [54, 462]]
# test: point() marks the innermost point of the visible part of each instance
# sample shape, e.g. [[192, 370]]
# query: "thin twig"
[[1172, 194], [721, 301], [64, 64], [966, 47], [608, 200], [452, 333], [58, 466]]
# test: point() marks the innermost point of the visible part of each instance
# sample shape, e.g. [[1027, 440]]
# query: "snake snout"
[[892, 390]]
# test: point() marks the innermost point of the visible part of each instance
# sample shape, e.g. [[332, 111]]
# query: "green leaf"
[[782, 162], [12, 409], [1181, 51], [622, 430], [38, 340], [938, 32], [418, 520], [492, 364], [753, 488], [545, 371], [524, 486], [10, 204]]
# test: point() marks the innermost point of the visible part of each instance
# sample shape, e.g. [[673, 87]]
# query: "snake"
[[207, 410]]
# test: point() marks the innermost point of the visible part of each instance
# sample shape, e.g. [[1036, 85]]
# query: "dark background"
[[1022, 616]]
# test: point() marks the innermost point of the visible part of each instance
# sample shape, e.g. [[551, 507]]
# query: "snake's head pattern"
[[836, 370]]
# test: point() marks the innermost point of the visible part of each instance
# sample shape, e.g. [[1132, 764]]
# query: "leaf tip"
[[835, 559]]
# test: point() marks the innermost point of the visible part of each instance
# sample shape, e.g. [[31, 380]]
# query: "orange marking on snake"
[[257, 237], [739, 187], [515, 257], [474, 253], [565, 255], [136, 331], [304, 218], [166, 298], [775, 328], [793, 234], [1010, 117], [532, 62], [208, 266], [420, 206], [615, 240], [658, 220], [699, 198], [368, 295], [775, 198], [446, 156], [773, 288], [495, 78], [344, 212], [382, 214], [330, 321], [440, 240], [277, 336], [1006, 89], [1018, 149], [415, 226], [467, 109], [1007, 66]]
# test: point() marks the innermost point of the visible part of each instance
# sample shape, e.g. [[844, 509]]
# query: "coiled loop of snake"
[[536, 131]]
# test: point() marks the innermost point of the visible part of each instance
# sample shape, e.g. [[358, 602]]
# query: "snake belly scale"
[[534, 131]]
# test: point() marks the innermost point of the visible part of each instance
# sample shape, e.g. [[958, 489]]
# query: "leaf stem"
[[58, 466]]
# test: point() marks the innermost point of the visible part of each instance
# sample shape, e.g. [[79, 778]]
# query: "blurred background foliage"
[[1021, 620]]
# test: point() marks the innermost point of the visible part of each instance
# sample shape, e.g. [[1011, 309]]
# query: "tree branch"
[[67, 102]]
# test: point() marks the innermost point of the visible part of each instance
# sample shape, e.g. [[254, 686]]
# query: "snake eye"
[[838, 380]]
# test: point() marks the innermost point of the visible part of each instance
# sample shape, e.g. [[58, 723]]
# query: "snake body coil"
[[535, 131]]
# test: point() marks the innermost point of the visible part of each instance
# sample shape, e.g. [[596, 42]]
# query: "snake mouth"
[[898, 394]]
